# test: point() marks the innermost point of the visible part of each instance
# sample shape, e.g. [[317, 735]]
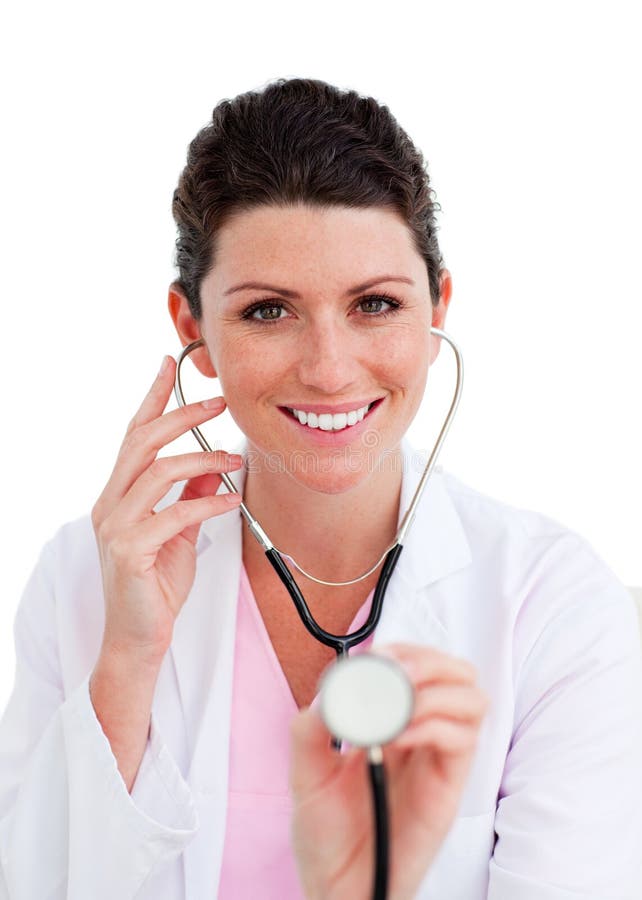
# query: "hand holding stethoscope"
[[426, 770]]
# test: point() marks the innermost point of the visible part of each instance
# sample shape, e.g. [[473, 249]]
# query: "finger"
[[165, 471], [139, 545], [156, 398], [152, 436], [453, 701], [201, 486], [441, 734], [426, 664], [312, 759], [140, 447]]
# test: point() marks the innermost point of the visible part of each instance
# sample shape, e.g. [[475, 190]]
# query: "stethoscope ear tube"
[[409, 516]]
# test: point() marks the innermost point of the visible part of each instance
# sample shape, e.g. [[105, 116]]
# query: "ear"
[[445, 294], [188, 329], [439, 311]]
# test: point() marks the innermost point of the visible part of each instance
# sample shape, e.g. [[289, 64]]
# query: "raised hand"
[[148, 559]]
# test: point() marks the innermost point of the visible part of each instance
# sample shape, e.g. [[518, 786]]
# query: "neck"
[[333, 536]]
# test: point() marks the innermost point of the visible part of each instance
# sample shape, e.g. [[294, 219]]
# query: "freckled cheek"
[[412, 380], [408, 359], [245, 378]]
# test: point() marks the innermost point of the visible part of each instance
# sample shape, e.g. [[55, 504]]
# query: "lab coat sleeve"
[[569, 816], [68, 826]]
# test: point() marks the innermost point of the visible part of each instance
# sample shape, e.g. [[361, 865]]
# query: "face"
[[318, 317]]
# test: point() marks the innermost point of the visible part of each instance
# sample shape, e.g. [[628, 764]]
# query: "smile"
[[328, 421]]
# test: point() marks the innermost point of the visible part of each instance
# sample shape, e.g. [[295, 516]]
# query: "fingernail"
[[235, 459], [233, 498], [164, 365], [213, 402]]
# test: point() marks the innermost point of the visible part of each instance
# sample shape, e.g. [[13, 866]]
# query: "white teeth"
[[329, 422]]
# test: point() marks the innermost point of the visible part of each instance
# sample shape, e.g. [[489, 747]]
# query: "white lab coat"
[[553, 806]]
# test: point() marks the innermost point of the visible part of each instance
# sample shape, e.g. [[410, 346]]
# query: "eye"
[[373, 305], [271, 308]]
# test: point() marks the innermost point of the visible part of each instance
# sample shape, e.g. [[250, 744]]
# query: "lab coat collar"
[[436, 544]]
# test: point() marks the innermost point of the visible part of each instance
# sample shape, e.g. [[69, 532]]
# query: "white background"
[[528, 115]]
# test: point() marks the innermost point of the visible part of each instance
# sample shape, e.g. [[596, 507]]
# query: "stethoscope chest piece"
[[366, 700]]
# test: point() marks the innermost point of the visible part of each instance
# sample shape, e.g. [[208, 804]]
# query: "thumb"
[[312, 758]]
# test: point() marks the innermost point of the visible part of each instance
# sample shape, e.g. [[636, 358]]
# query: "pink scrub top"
[[257, 857]]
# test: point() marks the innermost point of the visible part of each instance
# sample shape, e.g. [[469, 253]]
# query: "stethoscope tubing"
[[341, 644]]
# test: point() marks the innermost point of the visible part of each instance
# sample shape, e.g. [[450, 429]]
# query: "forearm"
[[121, 690]]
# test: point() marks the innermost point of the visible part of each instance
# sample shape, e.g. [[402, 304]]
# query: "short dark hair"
[[298, 140]]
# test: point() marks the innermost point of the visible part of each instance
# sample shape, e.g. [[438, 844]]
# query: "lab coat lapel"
[[435, 548], [203, 655], [202, 644]]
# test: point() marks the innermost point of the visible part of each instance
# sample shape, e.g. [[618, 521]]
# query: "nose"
[[328, 360]]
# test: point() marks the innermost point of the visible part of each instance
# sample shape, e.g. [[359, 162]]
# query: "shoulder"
[[519, 535], [60, 615], [73, 550], [481, 513], [62, 605], [69, 563], [65, 564], [530, 574]]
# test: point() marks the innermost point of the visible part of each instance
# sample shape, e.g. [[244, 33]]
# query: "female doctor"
[[162, 739]]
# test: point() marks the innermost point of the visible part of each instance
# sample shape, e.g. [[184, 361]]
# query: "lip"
[[340, 438], [320, 408]]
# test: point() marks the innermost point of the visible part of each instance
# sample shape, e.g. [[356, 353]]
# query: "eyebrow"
[[292, 295]]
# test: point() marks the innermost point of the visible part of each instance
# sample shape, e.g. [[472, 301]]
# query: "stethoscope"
[[366, 700]]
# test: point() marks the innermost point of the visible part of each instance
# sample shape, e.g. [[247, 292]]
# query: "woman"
[[161, 666]]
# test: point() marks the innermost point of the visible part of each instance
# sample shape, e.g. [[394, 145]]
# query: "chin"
[[333, 474], [326, 470], [332, 483]]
